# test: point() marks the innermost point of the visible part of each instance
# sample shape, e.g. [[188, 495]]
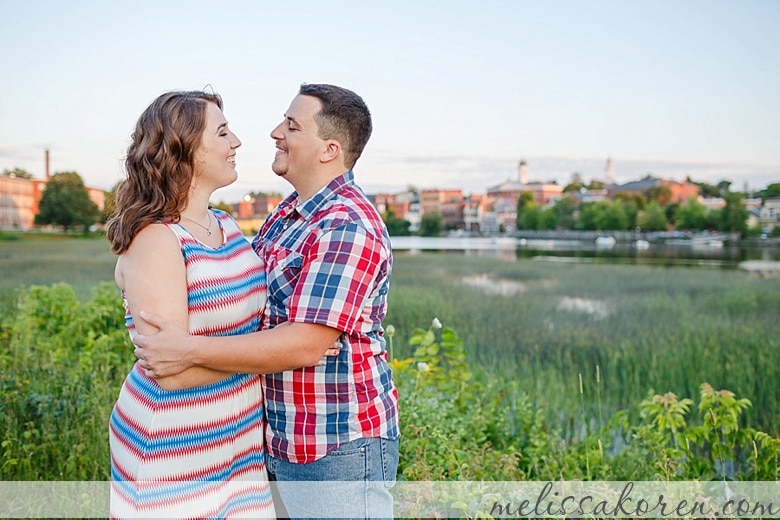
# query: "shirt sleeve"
[[339, 274]]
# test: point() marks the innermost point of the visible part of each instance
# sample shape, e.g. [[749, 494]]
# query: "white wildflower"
[[436, 324], [423, 367]]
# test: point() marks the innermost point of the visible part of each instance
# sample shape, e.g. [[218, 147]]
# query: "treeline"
[[631, 211], [628, 211]]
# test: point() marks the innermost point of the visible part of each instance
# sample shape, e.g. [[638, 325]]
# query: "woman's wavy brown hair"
[[160, 164]]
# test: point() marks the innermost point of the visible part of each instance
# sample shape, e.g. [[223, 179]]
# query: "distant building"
[[505, 214], [770, 212], [609, 173], [544, 192], [254, 206], [585, 196], [408, 206], [680, 191], [251, 212], [20, 199], [712, 203], [448, 203], [473, 212], [405, 205]]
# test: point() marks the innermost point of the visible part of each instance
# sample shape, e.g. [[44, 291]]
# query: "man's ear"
[[331, 152]]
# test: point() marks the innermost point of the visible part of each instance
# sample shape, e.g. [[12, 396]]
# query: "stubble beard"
[[278, 169]]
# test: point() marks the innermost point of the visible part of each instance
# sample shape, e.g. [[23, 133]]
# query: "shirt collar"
[[314, 203]]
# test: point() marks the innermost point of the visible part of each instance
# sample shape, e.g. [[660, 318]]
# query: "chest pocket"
[[283, 269]]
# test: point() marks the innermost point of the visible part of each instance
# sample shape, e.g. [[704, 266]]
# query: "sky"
[[460, 91]]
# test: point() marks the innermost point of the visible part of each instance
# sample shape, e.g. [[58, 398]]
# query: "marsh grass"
[[665, 329]]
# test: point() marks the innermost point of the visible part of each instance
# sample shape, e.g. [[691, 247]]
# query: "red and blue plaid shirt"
[[328, 261]]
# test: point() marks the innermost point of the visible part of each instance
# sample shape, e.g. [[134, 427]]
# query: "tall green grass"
[[663, 329]]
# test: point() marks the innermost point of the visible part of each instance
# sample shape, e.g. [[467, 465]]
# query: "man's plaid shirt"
[[328, 261]]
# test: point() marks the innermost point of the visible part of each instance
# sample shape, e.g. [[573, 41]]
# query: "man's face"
[[298, 147]]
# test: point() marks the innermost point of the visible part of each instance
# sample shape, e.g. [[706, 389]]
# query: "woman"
[[189, 445]]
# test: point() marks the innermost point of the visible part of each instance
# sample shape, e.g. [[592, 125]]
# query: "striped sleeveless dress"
[[197, 452]]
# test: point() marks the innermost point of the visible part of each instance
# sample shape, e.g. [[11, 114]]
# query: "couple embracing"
[[262, 386]]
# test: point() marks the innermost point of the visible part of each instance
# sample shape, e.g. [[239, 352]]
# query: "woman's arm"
[[153, 276]]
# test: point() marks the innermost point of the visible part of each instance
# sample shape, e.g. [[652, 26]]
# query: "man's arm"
[[171, 350]]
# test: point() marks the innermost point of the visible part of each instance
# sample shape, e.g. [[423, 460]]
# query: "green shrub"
[[62, 370]]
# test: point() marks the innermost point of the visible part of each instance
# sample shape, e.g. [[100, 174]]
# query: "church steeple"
[[522, 171], [609, 171]]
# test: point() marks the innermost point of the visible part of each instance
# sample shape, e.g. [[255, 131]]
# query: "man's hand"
[[165, 353], [171, 350]]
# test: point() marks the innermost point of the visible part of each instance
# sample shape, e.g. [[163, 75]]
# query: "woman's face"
[[215, 159]]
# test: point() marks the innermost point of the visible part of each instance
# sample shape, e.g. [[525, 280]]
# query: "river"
[[712, 254]]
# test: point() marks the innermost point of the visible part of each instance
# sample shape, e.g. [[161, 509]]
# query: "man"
[[328, 263]]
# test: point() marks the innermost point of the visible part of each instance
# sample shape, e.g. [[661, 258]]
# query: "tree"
[[396, 226], [671, 213], [637, 199], [613, 216], [734, 215], [660, 193], [575, 184], [65, 202], [431, 225], [692, 215], [109, 204], [589, 217], [224, 206], [652, 218], [724, 188], [531, 217], [773, 190], [523, 200], [707, 190], [564, 211], [548, 219], [17, 172]]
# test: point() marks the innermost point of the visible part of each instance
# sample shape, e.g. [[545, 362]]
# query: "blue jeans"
[[352, 481]]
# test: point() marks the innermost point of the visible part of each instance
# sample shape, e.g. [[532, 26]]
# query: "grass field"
[[43, 260]]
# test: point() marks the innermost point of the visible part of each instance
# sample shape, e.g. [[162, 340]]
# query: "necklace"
[[208, 229]]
